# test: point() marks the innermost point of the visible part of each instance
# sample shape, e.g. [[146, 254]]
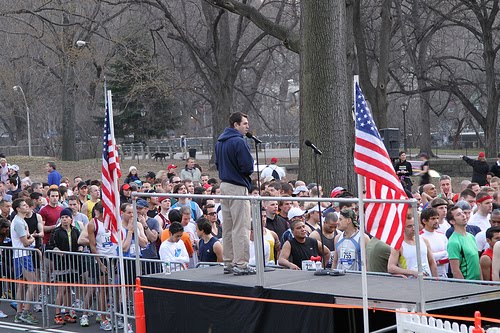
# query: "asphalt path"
[[7, 325]]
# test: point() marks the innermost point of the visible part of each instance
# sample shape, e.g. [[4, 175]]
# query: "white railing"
[[410, 322]]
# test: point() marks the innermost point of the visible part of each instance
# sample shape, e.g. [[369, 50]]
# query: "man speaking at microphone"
[[235, 165]]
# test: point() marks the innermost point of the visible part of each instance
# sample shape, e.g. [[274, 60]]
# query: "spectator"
[[425, 178], [4, 170], [329, 232], [495, 168], [347, 245], [300, 247], [23, 264], [54, 177], [132, 175], [492, 237], [100, 243], [173, 250], [190, 171], [462, 249], [404, 171], [484, 206], [437, 240], [209, 247], [65, 238], [479, 168], [481, 238], [50, 214], [273, 170]]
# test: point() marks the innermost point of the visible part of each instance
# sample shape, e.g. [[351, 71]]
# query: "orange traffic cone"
[[477, 323], [140, 315]]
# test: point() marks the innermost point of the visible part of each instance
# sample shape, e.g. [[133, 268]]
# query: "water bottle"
[[166, 268]]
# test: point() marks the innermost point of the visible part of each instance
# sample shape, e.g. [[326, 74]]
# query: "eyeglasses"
[[176, 182], [212, 213]]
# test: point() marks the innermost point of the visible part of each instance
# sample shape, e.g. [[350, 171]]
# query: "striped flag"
[[385, 221], [110, 172]]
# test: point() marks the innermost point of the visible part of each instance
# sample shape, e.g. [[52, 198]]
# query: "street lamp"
[[404, 108], [18, 88]]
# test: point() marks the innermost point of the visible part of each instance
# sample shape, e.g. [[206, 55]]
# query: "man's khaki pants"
[[236, 226]]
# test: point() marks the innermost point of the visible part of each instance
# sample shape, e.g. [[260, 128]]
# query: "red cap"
[[160, 200], [126, 187], [337, 191], [274, 160], [481, 155], [171, 166]]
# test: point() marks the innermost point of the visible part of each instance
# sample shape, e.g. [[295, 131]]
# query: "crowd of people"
[[458, 234]]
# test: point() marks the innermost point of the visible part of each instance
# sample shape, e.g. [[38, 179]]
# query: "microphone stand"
[[256, 144], [323, 271]]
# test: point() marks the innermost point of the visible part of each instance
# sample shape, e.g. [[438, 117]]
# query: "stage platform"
[[231, 315]]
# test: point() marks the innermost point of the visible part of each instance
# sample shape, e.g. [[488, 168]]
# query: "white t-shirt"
[[481, 221], [444, 226], [19, 229], [481, 241], [190, 229], [439, 245], [174, 252]]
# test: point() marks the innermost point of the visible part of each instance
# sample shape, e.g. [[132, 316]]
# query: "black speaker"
[[390, 137]]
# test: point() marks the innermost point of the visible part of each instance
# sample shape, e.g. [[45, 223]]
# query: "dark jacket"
[[233, 158], [404, 168], [479, 170], [495, 168], [59, 239]]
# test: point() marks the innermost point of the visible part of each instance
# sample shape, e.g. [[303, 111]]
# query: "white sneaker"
[[84, 321], [37, 308], [2, 314]]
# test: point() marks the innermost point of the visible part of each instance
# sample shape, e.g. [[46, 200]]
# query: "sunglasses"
[[212, 213]]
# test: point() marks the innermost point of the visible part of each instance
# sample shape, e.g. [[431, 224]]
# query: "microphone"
[[250, 136], [310, 144]]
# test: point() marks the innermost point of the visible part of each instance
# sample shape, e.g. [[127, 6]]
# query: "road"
[[7, 325]]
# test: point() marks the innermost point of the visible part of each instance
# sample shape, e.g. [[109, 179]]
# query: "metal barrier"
[[79, 272], [79, 269], [22, 264]]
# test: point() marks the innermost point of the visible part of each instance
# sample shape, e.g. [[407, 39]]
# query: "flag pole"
[[117, 215], [362, 241], [418, 246]]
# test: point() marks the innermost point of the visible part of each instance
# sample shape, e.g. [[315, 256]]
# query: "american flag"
[[385, 221], [110, 172]]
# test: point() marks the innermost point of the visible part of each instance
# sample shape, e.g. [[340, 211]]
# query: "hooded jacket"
[[233, 158]]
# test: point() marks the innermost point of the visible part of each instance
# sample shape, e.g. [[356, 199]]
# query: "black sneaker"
[[244, 271]]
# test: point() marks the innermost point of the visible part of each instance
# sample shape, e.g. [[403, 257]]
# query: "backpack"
[[275, 173]]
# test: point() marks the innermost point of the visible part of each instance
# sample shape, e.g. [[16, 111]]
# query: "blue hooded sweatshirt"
[[233, 158]]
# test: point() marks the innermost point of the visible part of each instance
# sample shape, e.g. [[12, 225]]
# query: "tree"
[[471, 73], [50, 34], [418, 28], [141, 97], [325, 101], [376, 93]]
